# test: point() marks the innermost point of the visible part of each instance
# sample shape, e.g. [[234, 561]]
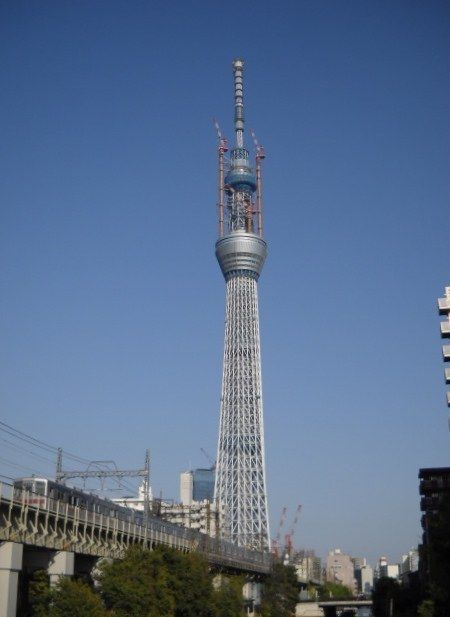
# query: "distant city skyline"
[[112, 307]]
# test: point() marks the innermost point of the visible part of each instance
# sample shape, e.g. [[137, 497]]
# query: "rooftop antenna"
[[238, 67]]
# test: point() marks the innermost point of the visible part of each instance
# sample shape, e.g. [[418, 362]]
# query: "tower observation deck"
[[240, 484]]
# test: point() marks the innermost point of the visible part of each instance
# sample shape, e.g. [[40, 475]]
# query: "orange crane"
[[289, 537], [276, 542]]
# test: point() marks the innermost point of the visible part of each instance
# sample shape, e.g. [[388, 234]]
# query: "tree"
[[138, 585], [334, 590], [426, 609], [227, 598], [190, 582], [280, 592], [159, 583], [75, 598], [389, 595], [39, 594]]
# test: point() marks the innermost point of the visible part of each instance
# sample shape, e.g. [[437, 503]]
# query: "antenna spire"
[[238, 68]]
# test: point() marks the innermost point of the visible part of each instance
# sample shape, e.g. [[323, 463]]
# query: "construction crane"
[[260, 152], [289, 537], [260, 155], [222, 148], [276, 542], [205, 453]]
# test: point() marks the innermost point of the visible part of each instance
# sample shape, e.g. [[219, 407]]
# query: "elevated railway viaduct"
[[67, 540]]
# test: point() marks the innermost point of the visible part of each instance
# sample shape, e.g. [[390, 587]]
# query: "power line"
[[38, 443], [18, 447], [22, 467], [28, 441]]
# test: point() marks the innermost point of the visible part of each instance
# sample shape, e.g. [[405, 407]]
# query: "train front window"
[[40, 487]]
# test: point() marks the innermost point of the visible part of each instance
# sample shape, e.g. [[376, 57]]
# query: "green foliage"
[[280, 593], [388, 592], [313, 592], [227, 599], [426, 609], [39, 594], [75, 598], [190, 582], [159, 583], [138, 585], [334, 590]]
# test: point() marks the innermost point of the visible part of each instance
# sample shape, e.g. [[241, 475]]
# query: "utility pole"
[[147, 484], [59, 464], [103, 474]]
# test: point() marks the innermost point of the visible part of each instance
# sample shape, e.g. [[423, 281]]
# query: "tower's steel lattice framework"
[[241, 251]]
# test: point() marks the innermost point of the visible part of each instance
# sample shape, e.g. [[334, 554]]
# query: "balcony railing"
[[444, 305], [446, 352], [445, 329], [440, 485]]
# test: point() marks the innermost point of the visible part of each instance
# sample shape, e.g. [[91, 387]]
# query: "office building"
[[339, 569], [197, 485]]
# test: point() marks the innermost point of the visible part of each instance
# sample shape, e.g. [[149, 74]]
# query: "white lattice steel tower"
[[241, 251]]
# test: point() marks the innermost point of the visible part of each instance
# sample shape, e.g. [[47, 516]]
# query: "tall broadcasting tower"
[[241, 252]]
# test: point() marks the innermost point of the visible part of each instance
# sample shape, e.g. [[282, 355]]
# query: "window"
[[40, 487]]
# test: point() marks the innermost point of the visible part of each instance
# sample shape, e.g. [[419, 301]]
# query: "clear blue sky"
[[112, 303]]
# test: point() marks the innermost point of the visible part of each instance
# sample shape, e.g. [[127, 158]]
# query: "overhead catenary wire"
[[20, 467], [40, 444], [7, 477], [18, 447]]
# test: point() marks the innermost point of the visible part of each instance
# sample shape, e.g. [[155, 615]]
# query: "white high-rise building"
[[186, 487]]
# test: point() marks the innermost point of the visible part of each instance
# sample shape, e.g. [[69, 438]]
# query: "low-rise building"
[[202, 515], [137, 503], [409, 565], [386, 569], [358, 563], [366, 580], [339, 569], [308, 566]]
